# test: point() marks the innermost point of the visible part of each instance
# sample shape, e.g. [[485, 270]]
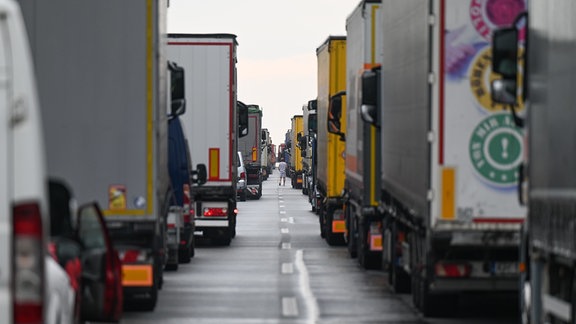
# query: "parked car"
[[241, 187], [80, 243]]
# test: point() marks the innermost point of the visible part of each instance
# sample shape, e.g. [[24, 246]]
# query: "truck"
[[267, 154], [331, 57], [295, 165], [24, 220], [211, 126], [362, 187], [250, 146], [107, 135], [532, 58], [309, 120], [449, 155]]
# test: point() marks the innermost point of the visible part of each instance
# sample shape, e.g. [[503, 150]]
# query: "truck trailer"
[[534, 59], [250, 147], [211, 126], [449, 155], [363, 163], [330, 177], [296, 134], [107, 135]]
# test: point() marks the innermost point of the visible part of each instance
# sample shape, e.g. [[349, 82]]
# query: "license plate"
[[137, 275], [338, 226], [505, 268]]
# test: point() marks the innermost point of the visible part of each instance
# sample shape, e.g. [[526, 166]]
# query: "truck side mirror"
[[242, 119], [335, 115], [369, 107], [200, 175], [312, 104], [177, 92], [505, 63], [312, 123]]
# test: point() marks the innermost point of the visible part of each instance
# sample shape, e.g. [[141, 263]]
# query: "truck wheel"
[[184, 255], [304, 191], [192, 247], [333, 239], [399, 279], [171, 267], [351, 235]]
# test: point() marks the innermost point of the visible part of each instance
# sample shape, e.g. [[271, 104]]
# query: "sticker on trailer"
[[117, 197]]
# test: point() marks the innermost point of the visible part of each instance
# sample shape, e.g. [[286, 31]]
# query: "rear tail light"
[[453, 270], [28, 264], [171, 226], [132, 256], [243, 175], [215, 211]]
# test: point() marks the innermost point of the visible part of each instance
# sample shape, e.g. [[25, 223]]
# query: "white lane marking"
[[287, 268], [282, 212], [281, 206], [289, 307], [284, 230], [291, 220], [286, 246], [304, 285], [284, 219]]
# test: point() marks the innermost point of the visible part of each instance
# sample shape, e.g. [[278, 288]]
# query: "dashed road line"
[[289, 307], [287, 268]]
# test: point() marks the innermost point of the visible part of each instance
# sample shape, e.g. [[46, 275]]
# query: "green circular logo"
[[496, 149]]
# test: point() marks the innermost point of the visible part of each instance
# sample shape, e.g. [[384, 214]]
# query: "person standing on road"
[[282, 168]]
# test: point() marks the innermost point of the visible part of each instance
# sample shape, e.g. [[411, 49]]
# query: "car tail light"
[[133, 256], [171, 226], [453, 270], [242, 175], [28, 264], [215, 211]]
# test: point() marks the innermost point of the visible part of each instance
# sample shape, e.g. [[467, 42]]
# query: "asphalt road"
[[279, 270]]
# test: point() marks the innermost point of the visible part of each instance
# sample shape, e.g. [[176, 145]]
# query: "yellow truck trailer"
[[331, 147], [296, 153]]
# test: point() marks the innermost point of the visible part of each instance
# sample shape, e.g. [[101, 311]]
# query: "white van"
[[23, 185]]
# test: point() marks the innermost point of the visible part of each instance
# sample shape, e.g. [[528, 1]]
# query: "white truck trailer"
[[450, 156], [103, 85], [211, 126]]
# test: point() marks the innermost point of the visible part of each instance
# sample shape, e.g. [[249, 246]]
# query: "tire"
[[304, 191], [399, 279], [243, 195], [352, 238], [171, 267], [333, 239], [184, 255]]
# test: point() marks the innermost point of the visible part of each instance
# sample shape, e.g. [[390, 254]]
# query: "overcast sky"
[[277, 47]]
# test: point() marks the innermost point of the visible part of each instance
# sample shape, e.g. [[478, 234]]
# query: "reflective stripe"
[[211, 223]]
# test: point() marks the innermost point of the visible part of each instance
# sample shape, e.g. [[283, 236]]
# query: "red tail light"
[[171, 225], [242, 175], [28, 264], [453, 270], [215, 211]]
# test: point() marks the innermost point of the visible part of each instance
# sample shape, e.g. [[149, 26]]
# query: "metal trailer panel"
[[297, 128], [552, 151], [210, 64], [331, 80], [363, 52], [449, 154], [254, 137], [102, 87], [406, 102]]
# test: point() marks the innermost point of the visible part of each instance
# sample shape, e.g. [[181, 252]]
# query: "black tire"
[[352, 239], [304, 191], [184, 255], [333, 239], [399, 279], [243, 195]]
